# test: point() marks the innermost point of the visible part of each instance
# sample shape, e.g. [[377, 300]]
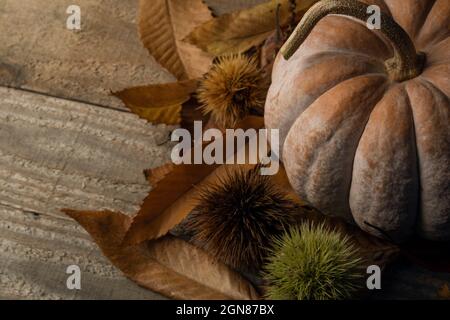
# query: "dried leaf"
[[220, 7], [157, 174], [159, 103], [191, 112], [239, 31], [269, 51], [444, 292], [270, 48], [175, 196], [158, 95], [163, 24], [169, 266]]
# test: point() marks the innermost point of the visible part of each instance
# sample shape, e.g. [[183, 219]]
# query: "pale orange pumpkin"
[[364, 114]]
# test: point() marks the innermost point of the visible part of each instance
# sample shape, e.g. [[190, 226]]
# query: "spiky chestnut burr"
[[313, 263], [233, 88], [238, 216]]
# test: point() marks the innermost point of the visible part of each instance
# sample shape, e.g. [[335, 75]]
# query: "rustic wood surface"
[[57, 153], [39, 53], [65, 142]]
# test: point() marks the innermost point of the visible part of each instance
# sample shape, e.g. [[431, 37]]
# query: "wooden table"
[[65, 142]]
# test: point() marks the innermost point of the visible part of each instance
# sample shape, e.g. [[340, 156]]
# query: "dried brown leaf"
[[157, 174], [269, 51], [169, 266], [239, 31], [176, 196], [159, 103], [220, 7], [163, 24], [372, 249], [444, 292]]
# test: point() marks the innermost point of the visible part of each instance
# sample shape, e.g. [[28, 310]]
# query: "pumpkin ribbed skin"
[[356, 143]]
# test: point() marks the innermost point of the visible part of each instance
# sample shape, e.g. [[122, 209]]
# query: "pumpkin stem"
[[406, 63]]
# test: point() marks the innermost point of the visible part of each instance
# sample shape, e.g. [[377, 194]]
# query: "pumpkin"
[[364, 116]]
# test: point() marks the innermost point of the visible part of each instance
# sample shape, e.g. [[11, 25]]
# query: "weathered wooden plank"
[[38, 52], [57, 153], [35, 251], [404, 281], [226, 6]]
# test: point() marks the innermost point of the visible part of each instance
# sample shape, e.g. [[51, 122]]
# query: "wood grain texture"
[[57, 153], [35, 251]]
